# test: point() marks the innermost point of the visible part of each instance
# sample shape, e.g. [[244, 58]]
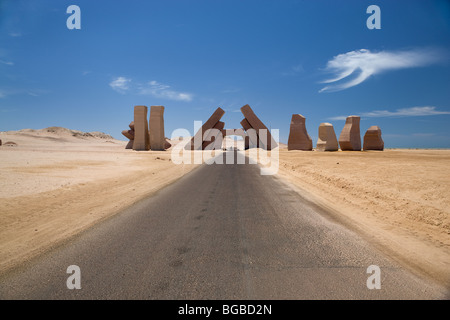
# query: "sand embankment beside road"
[[398, 198], [57, 182]]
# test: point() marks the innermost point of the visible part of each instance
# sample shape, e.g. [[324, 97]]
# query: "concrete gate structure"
[[148, 134], [254, 132]]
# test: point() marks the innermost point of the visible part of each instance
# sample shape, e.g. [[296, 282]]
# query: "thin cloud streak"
[[120, 84], [405, 112], [154, 88], [163, 91], [355, 67], [8, 63]]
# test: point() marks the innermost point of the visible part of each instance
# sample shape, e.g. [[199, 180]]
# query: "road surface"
[[220, 232]]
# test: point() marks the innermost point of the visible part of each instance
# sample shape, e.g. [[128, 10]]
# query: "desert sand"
[[57, 182], [399, 199]]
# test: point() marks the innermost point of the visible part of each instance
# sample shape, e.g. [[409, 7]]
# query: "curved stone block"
[[327, 140], [129, 134]]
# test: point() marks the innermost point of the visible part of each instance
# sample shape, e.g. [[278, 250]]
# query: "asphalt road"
[[220, 232]]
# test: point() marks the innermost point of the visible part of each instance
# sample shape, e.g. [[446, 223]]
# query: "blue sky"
[[194, 56]]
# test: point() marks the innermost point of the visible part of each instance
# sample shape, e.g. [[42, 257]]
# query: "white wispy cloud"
[[354, 67], [8, 63], [405, 112], [164, 91], [153, 88], [120, 84], [15, 34]]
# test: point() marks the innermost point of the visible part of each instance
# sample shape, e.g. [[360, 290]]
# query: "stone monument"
[[156, 128], [130, 135], [212, 136], [258, 125], [373, 140], [196, 142], [252, 137], [299, 138], [141, 136], [327, 138], [350, 138]]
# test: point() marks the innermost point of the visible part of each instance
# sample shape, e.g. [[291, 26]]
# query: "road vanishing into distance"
[[220, 232]]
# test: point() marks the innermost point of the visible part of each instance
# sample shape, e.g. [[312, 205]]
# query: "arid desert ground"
[[399, 198], [57, 182]]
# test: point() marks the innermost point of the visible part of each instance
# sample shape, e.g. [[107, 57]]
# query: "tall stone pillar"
[[141, 136], [156, 128]]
